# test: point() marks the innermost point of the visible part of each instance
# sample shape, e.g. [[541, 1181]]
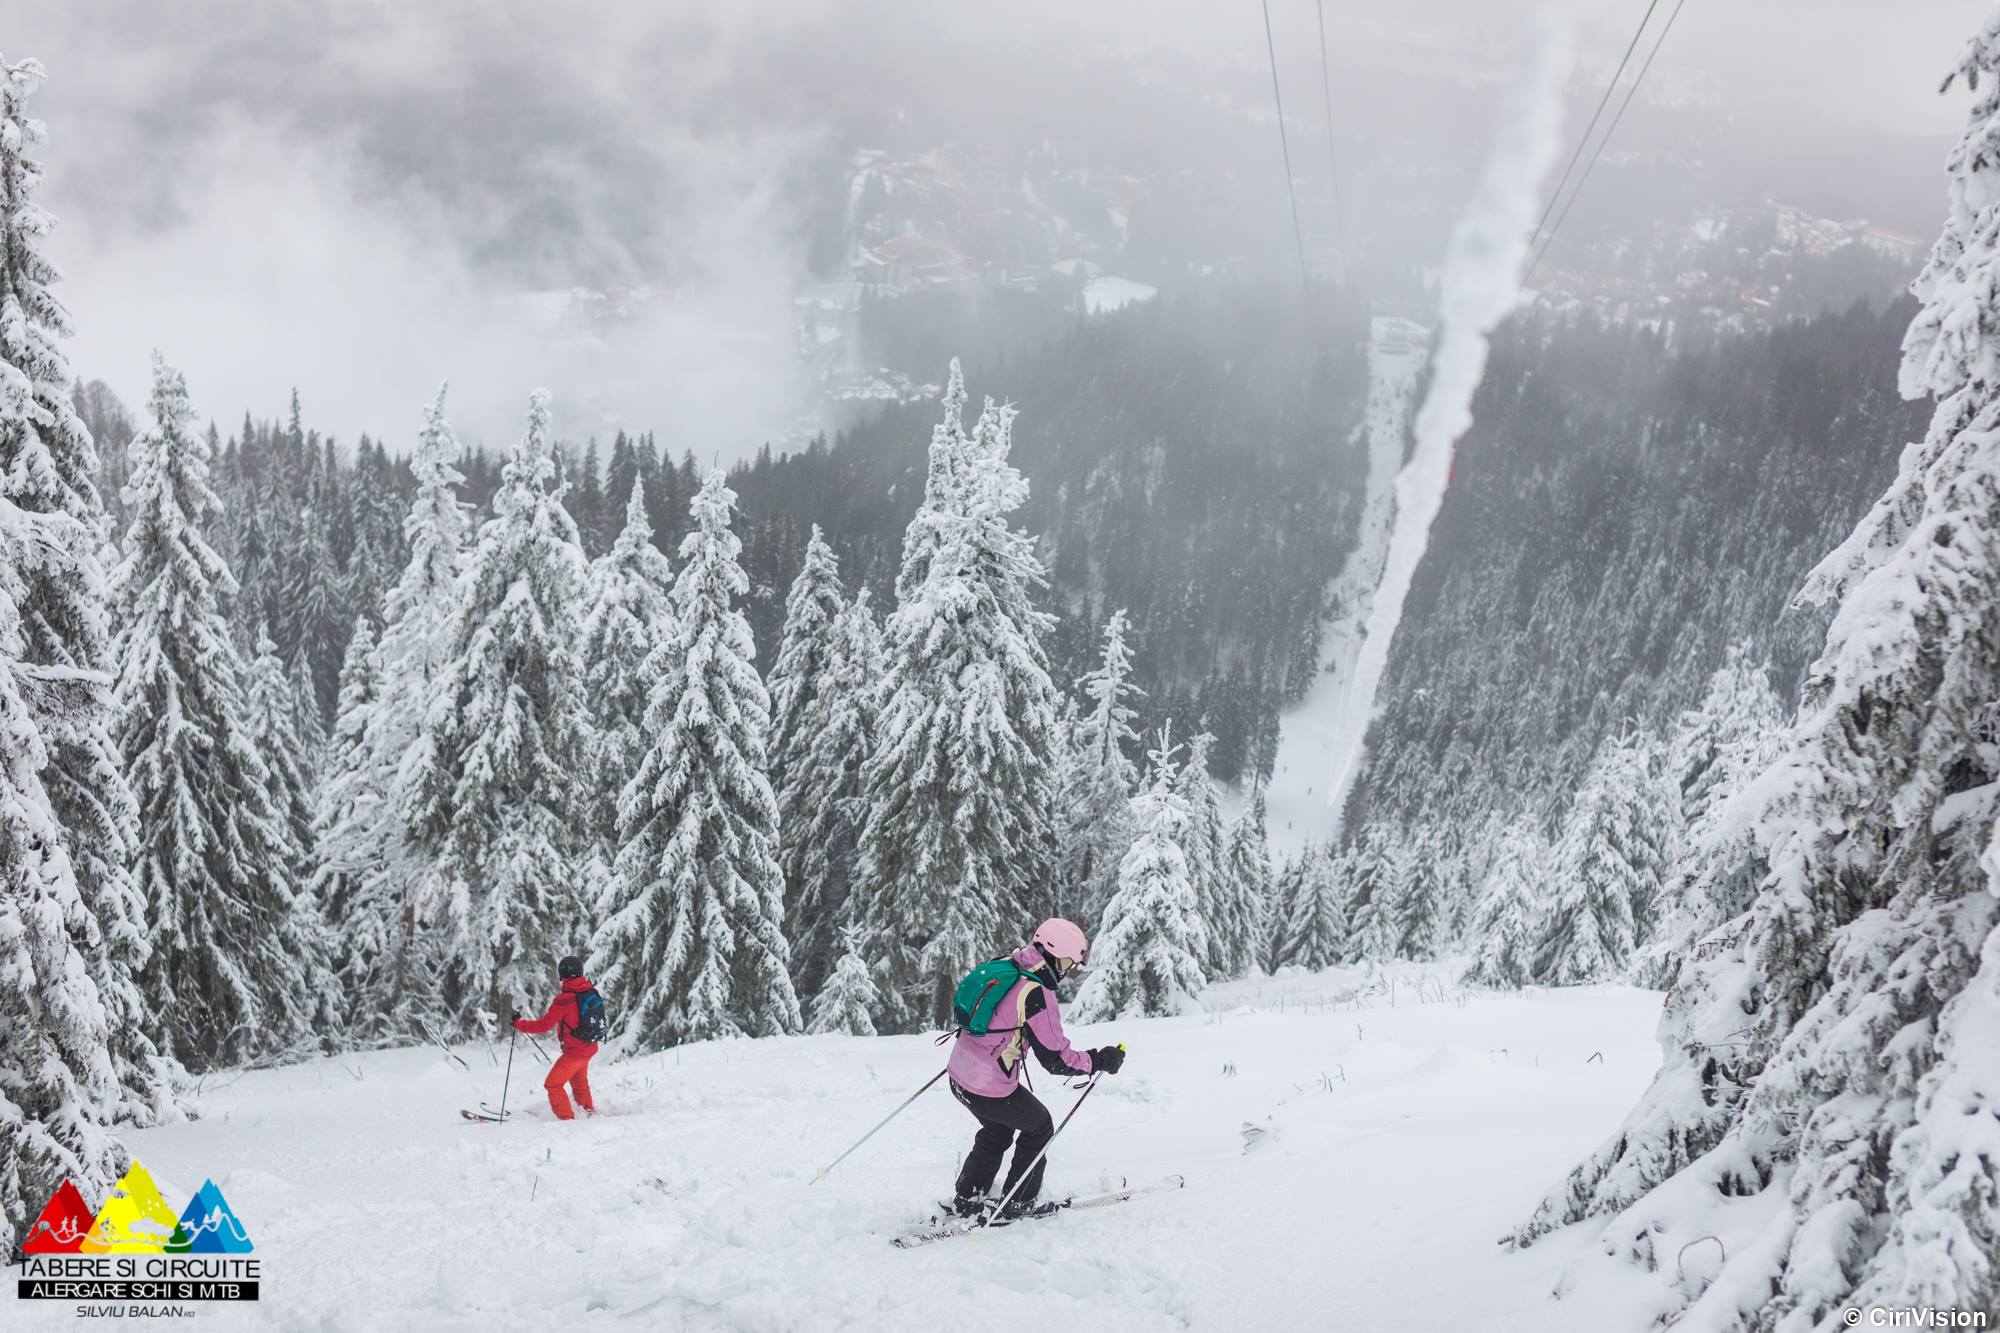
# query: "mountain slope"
[[1621, 514]]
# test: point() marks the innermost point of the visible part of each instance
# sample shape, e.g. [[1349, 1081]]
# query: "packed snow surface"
[[1353, 1142]]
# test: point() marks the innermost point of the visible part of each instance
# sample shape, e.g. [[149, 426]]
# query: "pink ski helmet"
[[1057, 938]]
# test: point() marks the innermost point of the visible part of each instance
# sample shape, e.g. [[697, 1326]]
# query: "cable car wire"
[[1326, 95], [1612, 129], [1291, 190], [1602, 102]]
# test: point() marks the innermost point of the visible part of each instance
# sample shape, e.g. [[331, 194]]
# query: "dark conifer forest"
[[1614, 525]]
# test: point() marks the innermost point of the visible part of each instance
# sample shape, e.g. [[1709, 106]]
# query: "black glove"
[[1108, 1059], [514, 1017]]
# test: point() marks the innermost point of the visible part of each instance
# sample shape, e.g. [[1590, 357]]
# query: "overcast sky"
[[350, 196]]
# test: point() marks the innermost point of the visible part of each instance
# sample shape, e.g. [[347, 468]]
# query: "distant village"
[[1741, 269]]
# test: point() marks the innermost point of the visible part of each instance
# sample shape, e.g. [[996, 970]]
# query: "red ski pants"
[[572, 1068]]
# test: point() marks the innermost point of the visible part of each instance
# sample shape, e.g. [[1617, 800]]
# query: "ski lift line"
[[1284, 145], [1612, 129], [1326, 95], [1595, 116]]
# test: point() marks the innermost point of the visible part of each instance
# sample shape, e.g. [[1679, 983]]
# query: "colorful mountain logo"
[[135, 1219], [63, 1224], [210, 1225]]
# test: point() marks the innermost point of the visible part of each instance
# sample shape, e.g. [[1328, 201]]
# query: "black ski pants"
[[1001, 1119]]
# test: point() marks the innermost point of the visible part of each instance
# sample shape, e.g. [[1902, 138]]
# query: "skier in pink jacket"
[[985, 1071]]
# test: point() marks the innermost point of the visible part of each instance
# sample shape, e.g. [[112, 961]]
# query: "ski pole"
[[871, 1133], [509, 1077], [987, 1217]]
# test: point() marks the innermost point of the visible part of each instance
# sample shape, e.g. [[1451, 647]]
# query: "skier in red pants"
[[577, 1003]]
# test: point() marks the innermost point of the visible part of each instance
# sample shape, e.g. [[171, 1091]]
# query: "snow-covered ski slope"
[[1297, 808], [1400, 1136]]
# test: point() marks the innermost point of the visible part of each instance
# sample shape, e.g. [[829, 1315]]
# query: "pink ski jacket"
[[989, 1065]]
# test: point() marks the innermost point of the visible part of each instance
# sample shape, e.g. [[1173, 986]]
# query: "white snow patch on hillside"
[[1105, 294], [1404, 1127]]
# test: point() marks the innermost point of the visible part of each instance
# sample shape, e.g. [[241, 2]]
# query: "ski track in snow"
[[1401, 1142]]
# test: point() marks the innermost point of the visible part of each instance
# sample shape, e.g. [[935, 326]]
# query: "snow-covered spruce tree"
[[367, 573], [496, 810], [345, 819], [272, 725], [1602, 866], [1415, 884], [419, 611], [1712, 740], [1247, 867], [1367, 869], [694, 943], [57, 1084], [630, 613], [1466, 855], [250, 555], [342, 836], [1836, 1040], [371, 868], [819, 814], [847, 1001], [1506, 930], [47, 465], [1202, 841], [236, 966], [1096, 826], [314, 600], [1657, 833], [1721, 746], [308, 724], [1148, 955], [1316, 934], [801, 701], [815, 600], [945, 482], [1285, 887], [959, 794], [1010, 575]]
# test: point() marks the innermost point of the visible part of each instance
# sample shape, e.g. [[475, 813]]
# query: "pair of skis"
[[910, 1240], [488, 1114]]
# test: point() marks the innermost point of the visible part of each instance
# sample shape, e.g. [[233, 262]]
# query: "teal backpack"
[[980, 994], [591, 1020]]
